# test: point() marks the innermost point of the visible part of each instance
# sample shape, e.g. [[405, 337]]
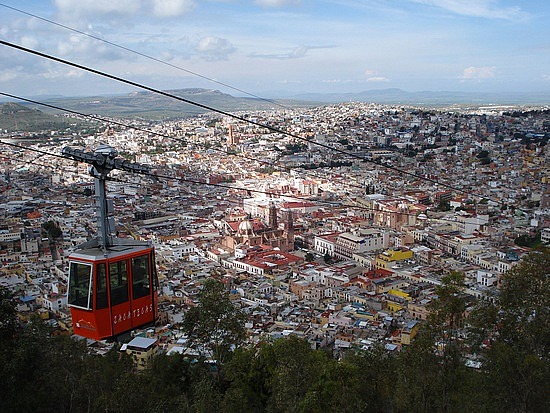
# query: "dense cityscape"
[[274, 206], [345, 239], [343, 247]]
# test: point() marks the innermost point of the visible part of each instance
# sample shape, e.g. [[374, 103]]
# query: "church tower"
[[289, 229], [272, 218]]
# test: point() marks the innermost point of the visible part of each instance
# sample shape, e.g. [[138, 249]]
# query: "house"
[[142, 350], [388, 258], [410, 330]]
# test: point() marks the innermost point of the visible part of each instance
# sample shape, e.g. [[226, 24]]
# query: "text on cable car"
[[136, 312]]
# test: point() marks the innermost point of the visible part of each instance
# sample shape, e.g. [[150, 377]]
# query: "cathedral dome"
[[245, 227]]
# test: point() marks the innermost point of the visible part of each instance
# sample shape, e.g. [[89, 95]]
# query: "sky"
[[276, 48]]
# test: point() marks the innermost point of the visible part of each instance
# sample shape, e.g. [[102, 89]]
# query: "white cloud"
[[9, 75], [79, 46], [276, 3], [214, 48], [478, 73], [172, 8], [296, 53], [61, 73], [370, 72], [97, 7], [489, 9], [337, 81], [378, 79], [86, 9], [30, 42], [546, 77]]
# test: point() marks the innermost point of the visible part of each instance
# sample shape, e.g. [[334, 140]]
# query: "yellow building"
[[400, 293], [393, 307], [418, 310], [409, 332], [142, 350], [388, 258]]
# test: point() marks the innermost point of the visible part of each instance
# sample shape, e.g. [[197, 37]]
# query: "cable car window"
[[119, 282], [80, 283], [140, 277], [101, 287], [154, 268]]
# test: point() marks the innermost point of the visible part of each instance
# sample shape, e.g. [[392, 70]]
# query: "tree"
[[215, 325], [444, 206], [527, 241], [309, 257], [295, 369], [431, 374], [248, 375], [52, 229], [8, 317], [447, 312], [515, 335], [518, 361], [523, 302], [482, 154]]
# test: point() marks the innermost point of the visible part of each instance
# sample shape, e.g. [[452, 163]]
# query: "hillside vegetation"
[[41, 373]]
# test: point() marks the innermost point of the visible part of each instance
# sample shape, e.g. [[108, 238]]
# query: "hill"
[[15, 117], [153, 106], [156, 107]]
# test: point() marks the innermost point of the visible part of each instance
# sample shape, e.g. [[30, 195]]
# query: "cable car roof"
[[95, 253]]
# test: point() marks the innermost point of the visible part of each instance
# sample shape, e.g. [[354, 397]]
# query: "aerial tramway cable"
[[222, 186], [110, 43], [130, 126], [234, 116]]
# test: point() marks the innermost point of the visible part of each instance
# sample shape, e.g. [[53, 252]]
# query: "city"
[[280, 206], [344, 256]]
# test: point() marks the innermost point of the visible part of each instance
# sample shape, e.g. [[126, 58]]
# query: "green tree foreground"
[[43, 373]]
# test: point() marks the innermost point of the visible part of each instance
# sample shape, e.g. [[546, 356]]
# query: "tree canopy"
[[510, 338]]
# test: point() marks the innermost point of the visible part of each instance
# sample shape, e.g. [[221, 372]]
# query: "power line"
[[130, 126], [114, 122], [234, 116], [91, 36], [227, 187], [176, 178]]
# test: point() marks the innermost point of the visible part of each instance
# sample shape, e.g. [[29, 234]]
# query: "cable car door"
[[121, 312], [143, 311]]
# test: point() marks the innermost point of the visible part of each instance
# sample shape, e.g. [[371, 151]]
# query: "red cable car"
[[112, 282], [112, 292]]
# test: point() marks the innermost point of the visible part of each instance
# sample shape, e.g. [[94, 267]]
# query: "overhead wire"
[[230, 187], [156, 60], [163, 135], [177, 178], [118, 123], [237, 117], [127, 49]]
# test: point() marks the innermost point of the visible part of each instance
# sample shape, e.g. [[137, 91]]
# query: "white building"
[[348, 244], [325, 244], [486, 278], [545, 235]]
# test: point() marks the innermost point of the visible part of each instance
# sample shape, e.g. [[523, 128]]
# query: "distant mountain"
[[153, 106], [428, 98], [150, 105]]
